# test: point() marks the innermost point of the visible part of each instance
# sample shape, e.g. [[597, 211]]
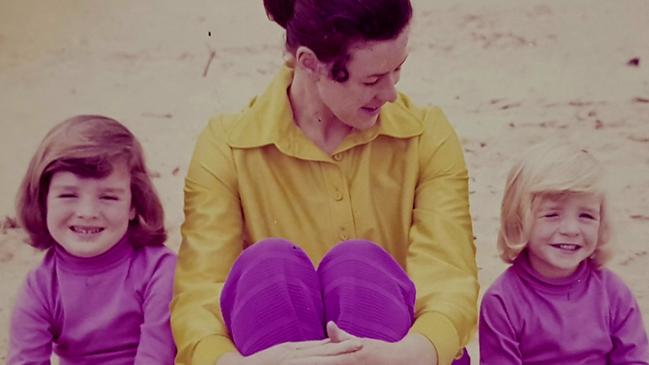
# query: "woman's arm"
[[441, 259], [211, 242]]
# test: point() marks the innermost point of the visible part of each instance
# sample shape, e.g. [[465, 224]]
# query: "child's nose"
[[87, 208], [569, 226]]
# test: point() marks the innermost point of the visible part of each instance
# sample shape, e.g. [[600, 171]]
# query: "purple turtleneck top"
[[112, 309], [590, 317]]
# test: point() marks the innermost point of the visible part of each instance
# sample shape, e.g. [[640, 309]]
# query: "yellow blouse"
[[402, 184]]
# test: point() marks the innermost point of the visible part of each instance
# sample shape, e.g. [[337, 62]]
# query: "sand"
[[507, 73]]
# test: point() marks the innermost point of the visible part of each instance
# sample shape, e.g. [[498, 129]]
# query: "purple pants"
[[273, 295]]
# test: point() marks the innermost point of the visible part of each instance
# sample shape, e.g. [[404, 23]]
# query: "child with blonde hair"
[[101, 294], [556, 303]]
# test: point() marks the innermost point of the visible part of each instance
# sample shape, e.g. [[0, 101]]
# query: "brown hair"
[[330, 27], [88, 146]]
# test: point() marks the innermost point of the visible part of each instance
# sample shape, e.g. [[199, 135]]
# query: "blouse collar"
[[268, 119]]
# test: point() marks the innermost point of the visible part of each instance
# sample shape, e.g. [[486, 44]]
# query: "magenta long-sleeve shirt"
[[589, 318], [112, 309]]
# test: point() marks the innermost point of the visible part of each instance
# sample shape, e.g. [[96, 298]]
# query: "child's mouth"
[[86, 230], [566, 246]]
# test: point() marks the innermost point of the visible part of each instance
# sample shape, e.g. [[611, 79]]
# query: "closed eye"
[[376, 78], [66, 195], [372, 82], [109, 197], [588, 216]]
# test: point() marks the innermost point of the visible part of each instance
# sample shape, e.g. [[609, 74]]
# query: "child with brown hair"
[[101, 294], [556, 304]]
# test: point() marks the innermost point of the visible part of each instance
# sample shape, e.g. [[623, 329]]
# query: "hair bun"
[[280, 11]]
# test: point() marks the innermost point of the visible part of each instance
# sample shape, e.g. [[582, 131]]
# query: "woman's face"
[[374, 69]]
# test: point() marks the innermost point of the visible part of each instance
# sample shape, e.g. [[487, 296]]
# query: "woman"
[[330, 152]]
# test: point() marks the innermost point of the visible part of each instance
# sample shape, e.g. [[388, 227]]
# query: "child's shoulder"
[[152, 258], [46, 266], [41, 277], [504, 283], [155, 253], [611, 282]]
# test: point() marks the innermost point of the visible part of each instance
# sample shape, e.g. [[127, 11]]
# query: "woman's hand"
[[413, 349], [296, 353]]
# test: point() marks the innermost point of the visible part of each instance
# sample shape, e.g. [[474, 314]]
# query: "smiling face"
[[374, 70], [564, 233], [88, 216]]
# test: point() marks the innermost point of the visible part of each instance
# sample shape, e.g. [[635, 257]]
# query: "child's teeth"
[[86, 230], [568, 247]]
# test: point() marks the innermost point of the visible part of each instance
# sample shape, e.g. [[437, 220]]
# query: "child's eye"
[[66, 195], [587, 216], [550, 215], [109, 197]]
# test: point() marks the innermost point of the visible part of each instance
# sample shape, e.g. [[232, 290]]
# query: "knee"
[[356, 248], [362, 258], [273, 247], [269, 246], [274, 250]]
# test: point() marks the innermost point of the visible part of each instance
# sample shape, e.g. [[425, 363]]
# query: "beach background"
[[507, 73]]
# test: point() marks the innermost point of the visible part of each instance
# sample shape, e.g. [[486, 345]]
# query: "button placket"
[[340, 201]]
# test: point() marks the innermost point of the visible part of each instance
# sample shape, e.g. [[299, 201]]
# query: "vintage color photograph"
[[507, 74]]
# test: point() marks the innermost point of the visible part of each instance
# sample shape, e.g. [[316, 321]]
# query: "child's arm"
[[627, 329], [30, 333], [156, 342], [497, 336], [441, 258]]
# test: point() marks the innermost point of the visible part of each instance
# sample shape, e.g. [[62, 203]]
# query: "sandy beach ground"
[[507, 73]]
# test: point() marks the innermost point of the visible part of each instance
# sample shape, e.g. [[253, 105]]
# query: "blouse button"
[[338, 157]]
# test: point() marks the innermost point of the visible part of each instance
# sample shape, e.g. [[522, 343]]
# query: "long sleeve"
[[212, 240], [441, 257], [156, 344], [497, 336], [627, 328], [31, 329]]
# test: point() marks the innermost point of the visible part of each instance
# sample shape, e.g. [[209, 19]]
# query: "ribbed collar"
[[568, 285], [93, 265], [269, 120]]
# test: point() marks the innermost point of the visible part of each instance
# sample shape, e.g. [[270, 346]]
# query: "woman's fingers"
[[347, 358], [307, 344], [294, 353], [333, 348], [336, 334]]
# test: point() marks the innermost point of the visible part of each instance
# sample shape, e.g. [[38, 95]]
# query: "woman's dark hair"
[[329, 27]]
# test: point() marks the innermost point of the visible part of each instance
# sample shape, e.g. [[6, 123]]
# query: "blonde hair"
[[545, 170], [88, 146]]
